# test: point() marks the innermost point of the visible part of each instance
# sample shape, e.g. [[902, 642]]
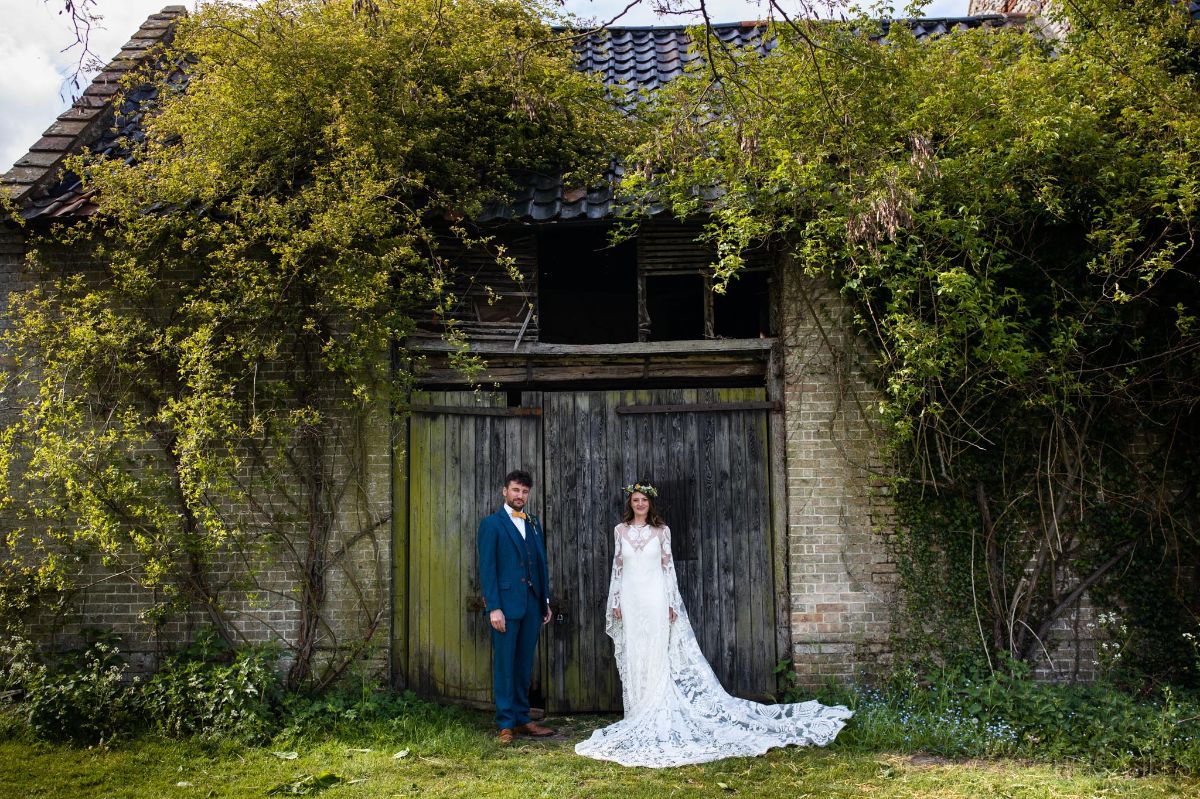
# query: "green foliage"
[[83, 698], [194, 695], [196, 367], [1003, 714], [88, 696], [353, 713], [1013, 228]]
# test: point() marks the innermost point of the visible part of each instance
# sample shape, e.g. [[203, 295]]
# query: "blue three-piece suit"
[[514, 578]]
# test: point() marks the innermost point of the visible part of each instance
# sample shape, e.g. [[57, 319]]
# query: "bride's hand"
[[616, 613], [673, 614]]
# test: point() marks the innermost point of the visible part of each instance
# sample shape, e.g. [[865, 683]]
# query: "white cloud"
[[35, 70]]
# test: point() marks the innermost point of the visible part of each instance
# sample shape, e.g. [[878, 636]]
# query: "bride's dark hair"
[[652, 517]]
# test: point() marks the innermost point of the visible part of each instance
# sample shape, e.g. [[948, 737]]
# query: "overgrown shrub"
[[88, 696], [1007, 714], [347, 711], [197, 696], [84, 697]]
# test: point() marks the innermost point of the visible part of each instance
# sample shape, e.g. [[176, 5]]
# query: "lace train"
[[676, 712]]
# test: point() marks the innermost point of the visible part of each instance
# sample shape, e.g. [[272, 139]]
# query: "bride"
[[676, 712]]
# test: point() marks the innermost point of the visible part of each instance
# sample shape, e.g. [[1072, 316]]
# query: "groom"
[[516, 591]]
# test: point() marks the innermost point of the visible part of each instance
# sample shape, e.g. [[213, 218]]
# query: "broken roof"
[[641, 58]]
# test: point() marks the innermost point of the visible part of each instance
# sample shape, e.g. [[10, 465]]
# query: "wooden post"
[[777, 432], [399, 587], [643, 308], [709, 322]]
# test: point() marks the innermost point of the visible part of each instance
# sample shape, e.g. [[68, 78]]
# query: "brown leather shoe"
[[505, 737], [534, 729]]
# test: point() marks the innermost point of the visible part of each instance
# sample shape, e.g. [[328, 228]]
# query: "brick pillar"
[[841, 576]]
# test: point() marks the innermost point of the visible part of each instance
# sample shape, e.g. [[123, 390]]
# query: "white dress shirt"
[[517, 520]]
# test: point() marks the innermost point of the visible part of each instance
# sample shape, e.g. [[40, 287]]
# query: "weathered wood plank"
[[472, 410], [709, 625], [487, 499], [508, 375], [419, 533], [532, 455], [691, 571], [727, 574], [585, 453], [610, 695], [762, 609], [691, 347], [702, 407], [401, 449], [740, 495], [435, 558], [562, 453], [553, 648], [451, 542], [470, 608]]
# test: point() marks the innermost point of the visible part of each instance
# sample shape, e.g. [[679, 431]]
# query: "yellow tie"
[[518, 514]]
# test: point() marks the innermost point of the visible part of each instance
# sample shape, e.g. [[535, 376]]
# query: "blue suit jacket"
[[510, 565]]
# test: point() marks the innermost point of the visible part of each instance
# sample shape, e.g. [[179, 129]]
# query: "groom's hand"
[[496, 617], [546, 618]]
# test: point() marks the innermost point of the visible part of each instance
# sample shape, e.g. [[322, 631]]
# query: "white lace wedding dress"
[[676, 712]]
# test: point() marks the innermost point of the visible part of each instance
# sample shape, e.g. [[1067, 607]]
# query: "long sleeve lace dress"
[[676, 711]]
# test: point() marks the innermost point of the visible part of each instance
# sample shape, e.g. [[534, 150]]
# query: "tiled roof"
[[36, 181], [647, 58], [633, 58]]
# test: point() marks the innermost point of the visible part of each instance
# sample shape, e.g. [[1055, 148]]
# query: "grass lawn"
[[454, 754]]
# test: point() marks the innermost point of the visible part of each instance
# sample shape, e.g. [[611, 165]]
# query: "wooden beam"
[[700, 407], [780, 560], [710, 325], [470, 410], [537, 348]]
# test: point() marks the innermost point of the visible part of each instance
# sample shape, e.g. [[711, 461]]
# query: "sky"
[[36, 59]]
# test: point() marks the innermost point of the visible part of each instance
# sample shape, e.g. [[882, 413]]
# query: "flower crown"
[[641, 488]]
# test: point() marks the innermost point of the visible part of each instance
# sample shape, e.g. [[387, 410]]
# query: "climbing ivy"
[[1012, 220], [197, 364]]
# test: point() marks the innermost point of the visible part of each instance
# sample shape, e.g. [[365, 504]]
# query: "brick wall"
[[258, 588], [842, 579]]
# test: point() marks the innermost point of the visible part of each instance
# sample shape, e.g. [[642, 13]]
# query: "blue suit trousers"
[[512, 663]]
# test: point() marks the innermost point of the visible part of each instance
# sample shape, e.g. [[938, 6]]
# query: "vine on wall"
[[1014, 223], [194, 390]]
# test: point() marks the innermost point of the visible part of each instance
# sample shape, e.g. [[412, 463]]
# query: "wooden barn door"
[[706, 451], [461, 445]]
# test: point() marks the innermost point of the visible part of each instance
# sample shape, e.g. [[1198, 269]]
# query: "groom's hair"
[[519, 476]]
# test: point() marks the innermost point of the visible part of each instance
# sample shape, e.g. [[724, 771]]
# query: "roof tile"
[[36, 178], [55, 144], [42, 159], [68, 128]]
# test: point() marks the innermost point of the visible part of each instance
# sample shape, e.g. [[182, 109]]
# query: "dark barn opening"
[[676, 307], [587, 288], [743, 311]]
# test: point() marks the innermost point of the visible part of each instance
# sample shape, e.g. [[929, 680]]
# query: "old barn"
[[605, 364]]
